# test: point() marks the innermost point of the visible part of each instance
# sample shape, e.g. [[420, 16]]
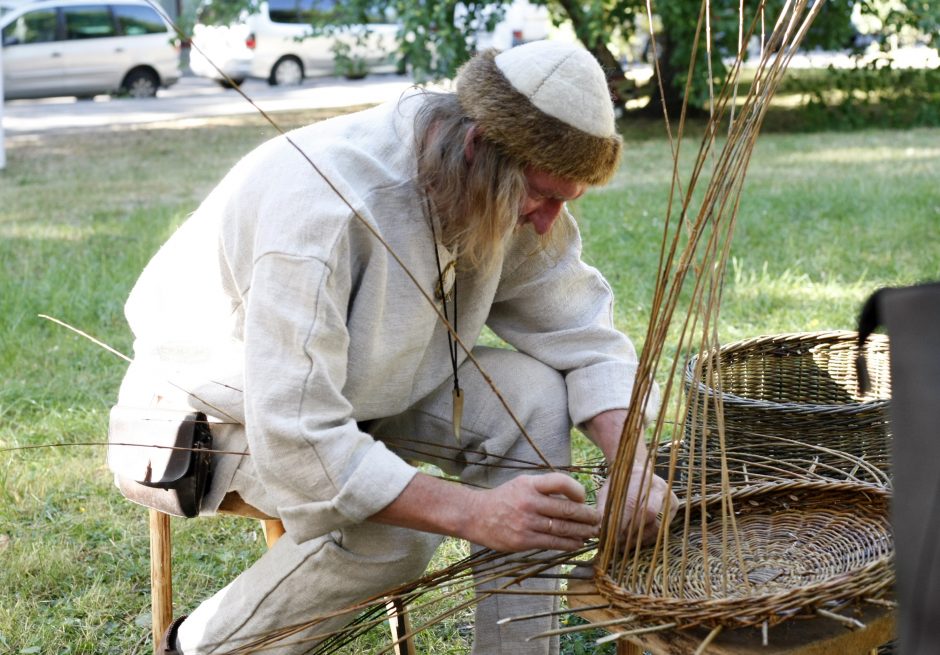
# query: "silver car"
[[84, 48]]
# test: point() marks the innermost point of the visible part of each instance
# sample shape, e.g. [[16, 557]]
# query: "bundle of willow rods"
[[718, 564]]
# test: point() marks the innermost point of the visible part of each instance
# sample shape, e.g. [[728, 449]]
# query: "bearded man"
[[283, 309]]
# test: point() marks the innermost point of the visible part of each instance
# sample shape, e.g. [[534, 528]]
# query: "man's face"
[[545, 196]]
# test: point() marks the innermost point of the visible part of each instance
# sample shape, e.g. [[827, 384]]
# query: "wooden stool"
[[161, 573]]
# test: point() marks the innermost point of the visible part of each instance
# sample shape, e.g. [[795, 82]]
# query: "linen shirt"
[[275, 306]]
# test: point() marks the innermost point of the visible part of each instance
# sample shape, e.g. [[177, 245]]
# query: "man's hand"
[[649, 514], [647, 495], [533, 511], [528, 512]]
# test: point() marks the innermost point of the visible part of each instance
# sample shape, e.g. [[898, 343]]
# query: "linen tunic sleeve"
[[554, 307], [323, 471]]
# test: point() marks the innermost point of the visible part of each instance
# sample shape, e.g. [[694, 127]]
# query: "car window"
[[320, 12], [32, 27], [301, 11], [88, 22], [137, 19]]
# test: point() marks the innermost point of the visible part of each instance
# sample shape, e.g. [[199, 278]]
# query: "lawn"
[[826, 219]]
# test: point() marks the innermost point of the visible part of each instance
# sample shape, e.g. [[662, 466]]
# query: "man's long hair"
[[476, 202]]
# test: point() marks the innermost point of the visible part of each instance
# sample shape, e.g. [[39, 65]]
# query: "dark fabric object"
[[912, 318], [168, 643], [161, 458]]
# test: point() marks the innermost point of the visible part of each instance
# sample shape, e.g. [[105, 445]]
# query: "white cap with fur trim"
[[562, 80], [545, 104]]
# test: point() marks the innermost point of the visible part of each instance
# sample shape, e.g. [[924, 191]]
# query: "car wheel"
[[231, 83], [141, 83], [288, 71]]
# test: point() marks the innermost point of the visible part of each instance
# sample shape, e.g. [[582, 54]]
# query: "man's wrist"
[[605, 430], [431, 504]]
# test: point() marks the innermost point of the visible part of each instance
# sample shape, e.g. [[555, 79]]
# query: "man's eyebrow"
[[555, 196]]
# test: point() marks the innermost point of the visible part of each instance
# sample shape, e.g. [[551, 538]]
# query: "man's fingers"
[[559, 534], [560, 527], [551, 542], [562, 514], [559, 483]]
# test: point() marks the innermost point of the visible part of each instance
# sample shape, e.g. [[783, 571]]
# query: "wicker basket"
[[794, 548], [791, 407]]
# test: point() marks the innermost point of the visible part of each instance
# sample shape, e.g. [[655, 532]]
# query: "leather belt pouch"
[[161, 458]]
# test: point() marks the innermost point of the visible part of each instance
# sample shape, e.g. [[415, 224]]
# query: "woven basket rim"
[[832, 336]]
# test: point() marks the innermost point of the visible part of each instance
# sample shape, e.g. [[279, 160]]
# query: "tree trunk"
[[667, 78], [621, 89]]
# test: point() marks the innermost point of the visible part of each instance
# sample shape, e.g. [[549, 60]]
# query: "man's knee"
[[403, 553], [538, 398], [536, 392]]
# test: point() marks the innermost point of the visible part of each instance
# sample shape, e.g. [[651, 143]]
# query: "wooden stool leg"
[[625, 647], [273, 530], [161, 575], [400, 624]]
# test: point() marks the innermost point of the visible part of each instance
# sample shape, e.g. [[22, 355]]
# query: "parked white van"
[[275, 44], [522, 22], [86, 47]]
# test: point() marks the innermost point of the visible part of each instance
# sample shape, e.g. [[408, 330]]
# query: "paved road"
[[193, 97]]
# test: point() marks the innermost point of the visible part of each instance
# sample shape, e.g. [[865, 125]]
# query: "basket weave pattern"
[[803, 545], [794, 398]]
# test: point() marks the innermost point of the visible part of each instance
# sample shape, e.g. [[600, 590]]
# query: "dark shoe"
[[168, 643]]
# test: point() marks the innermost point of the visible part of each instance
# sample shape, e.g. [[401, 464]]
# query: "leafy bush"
[[348, 63], [849, 98]]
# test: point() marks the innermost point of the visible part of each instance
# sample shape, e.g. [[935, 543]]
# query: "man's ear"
[[469, 143]]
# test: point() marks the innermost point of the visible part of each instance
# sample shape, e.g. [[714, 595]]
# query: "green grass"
[[826, 219]]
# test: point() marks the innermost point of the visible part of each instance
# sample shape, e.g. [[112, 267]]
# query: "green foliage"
[[729, 30], [582, 643], [849, 98], [903, 20], [347, 60], [435, 37], [225, 12]]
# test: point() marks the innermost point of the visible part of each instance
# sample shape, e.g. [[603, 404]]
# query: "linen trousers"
[[294, 583]]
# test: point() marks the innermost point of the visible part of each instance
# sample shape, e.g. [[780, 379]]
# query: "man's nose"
[[543, 218]]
